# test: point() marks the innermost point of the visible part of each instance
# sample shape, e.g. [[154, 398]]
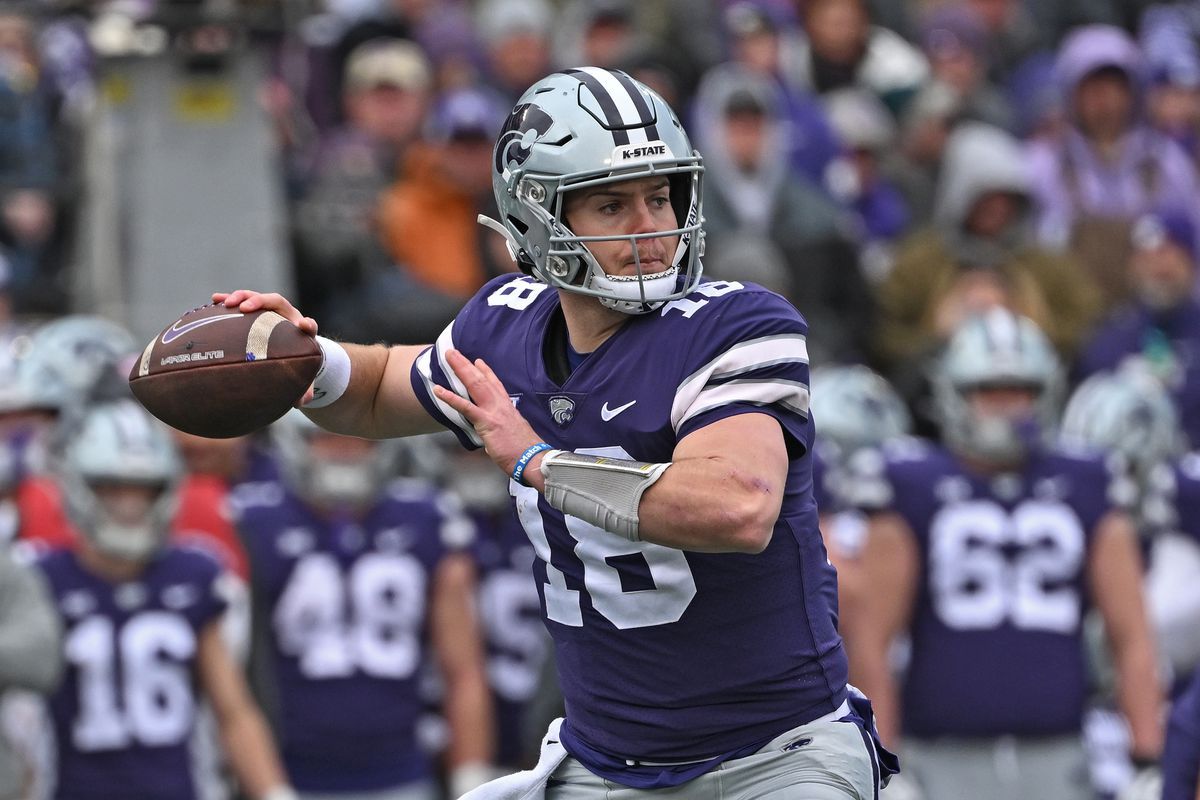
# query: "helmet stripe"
[[613, 120], [645, 114]]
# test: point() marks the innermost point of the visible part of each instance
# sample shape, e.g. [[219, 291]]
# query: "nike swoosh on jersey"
[[607, 413], [174, 332]]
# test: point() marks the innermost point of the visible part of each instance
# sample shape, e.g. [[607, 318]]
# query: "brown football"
[[219, 373]]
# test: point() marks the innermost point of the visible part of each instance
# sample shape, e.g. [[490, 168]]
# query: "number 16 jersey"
[[664, 655]]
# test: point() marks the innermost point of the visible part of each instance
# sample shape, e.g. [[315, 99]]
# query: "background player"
[[359, 580], [143, 644], [986, 552]]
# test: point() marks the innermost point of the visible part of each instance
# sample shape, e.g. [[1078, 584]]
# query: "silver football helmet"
[[1127, 412], [993, 350], [66, 361], [120, 444], [854, 407], [352, 482], [581, 128]]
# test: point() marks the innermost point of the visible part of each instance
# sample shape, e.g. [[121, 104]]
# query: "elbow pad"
[[603, 491]]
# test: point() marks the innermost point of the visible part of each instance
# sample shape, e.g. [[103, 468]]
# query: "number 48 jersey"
[[125, 711], [663, 655], [1003, 570]]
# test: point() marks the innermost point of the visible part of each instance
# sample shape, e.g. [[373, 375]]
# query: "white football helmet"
[[996, 349], [854, 407], [353, 482], [1127, 412], [581, 128], [120, 444]]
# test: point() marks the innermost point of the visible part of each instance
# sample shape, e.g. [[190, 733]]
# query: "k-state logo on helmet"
[[641, 152], [525, 126]]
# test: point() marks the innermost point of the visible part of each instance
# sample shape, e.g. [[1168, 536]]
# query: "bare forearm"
[[1140, 697], [378, 402], [708, 505], [468, 712], [252, 754]]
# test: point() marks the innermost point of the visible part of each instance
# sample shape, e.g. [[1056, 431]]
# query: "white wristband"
[[281, 793], [334, 375]]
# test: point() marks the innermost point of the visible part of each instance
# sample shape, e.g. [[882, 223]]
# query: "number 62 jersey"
[[996, 624], [663, 655]]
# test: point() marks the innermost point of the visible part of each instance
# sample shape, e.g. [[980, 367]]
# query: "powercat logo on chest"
[[650, 151]]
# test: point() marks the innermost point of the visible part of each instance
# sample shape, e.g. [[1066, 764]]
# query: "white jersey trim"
[[695, 396], [445, 341]]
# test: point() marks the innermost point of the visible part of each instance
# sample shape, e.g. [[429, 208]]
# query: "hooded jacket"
[[1072, 180], [980, 159]]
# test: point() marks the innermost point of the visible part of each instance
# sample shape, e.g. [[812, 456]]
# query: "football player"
[[358, 579], [1181, 751], [657, 435], [987, 551], [509, 606], [143, 644], [857, 412]]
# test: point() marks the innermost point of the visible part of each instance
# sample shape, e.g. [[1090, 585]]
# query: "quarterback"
[[657, 434]]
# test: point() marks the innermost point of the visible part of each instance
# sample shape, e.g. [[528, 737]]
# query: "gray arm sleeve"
[[30, 631]]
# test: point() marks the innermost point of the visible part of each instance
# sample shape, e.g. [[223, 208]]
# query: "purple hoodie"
[[1117, 189]]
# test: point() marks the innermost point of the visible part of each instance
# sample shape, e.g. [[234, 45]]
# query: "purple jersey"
[[664, 655], [347, 603], [1182, 489], [1181, 750], [510, 614], [124, 713], [996, 627]]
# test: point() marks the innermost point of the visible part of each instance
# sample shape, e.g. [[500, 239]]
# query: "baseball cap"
[[1165, 225], [470, 112], [388, 62]]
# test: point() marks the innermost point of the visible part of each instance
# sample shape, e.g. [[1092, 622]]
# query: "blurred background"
[[890, 167]]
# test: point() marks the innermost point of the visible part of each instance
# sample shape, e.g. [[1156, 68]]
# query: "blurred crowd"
[[892, 168]]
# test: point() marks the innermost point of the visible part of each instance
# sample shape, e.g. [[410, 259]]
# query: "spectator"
[[1109, 167], [844, 49], [979, 252], [517, 35], [867, 131], [925, 126], [955, 40], [388, 85], [360, 580], [428, 219], [32, 196], [1160, 324], [1173, 93], [760, 39], [599, 33], [751, 191], [1011, 35]]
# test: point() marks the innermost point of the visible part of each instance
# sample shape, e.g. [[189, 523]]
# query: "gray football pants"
[[1003, 768], [425, 790], [834, 765]]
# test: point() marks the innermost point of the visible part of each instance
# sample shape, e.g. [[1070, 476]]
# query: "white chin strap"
[[626, 291]]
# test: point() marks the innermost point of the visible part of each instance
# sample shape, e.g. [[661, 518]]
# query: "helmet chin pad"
[[125, 541]]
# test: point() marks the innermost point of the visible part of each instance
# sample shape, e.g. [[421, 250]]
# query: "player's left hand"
[[504, 432]]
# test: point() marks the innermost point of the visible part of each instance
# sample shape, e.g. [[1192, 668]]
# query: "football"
[[219, 373]]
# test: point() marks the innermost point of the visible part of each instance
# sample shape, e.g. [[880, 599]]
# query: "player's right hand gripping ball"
[[219, 373]]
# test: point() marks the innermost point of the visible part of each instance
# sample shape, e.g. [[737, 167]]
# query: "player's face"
[[630, 207], [126, 504], [1011, 402]]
